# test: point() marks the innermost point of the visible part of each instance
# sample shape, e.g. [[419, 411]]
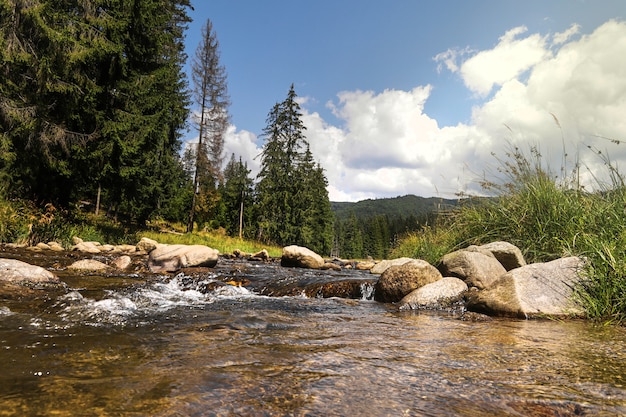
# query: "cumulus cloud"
[[510, 58], [551, 91], [243, 144]]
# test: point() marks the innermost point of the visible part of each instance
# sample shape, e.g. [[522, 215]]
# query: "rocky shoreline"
[[491, 279]]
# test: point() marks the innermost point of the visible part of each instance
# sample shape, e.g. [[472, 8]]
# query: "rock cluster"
[[493, 279]]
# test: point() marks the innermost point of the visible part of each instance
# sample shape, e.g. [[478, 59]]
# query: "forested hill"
[[373, 227], [403, 207]]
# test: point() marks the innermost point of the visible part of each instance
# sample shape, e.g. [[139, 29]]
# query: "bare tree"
[[211, 94]]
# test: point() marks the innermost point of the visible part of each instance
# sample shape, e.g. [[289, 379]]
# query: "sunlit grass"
[[215, 240], [547, 216]]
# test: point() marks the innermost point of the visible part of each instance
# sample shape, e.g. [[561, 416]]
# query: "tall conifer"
[[293, 205], [211, 94]]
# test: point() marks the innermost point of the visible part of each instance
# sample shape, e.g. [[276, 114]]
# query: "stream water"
[[176, 346]]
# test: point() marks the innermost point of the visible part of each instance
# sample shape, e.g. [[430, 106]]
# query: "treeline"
[[93, 108], [374, 227]]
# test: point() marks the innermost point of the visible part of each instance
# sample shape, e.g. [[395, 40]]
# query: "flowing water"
[[179, 346]]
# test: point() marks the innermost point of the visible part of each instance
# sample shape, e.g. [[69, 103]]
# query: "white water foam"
[[158, 298]]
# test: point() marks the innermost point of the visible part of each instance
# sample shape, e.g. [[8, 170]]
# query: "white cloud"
[[562, 37], [450, 58], [385, 145], [510, 58], [243, 144]]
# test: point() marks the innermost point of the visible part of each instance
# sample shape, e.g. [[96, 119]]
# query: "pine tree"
[[293, 203], [146, 103], [237, 199], [92, 97], [312, 211], [48, 97], [210, 91]]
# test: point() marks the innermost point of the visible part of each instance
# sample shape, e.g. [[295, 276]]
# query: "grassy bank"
[[215, 240], [547, 215], [21, 222]]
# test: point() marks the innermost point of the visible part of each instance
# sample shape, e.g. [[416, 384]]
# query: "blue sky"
[[408, 96]]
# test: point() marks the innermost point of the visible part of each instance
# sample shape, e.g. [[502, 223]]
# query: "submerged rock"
[[18, 272]]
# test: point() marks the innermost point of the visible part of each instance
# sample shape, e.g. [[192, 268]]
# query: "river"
[[178, 346]]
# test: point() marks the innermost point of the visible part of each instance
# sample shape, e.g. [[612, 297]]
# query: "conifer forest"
[[94, 105]]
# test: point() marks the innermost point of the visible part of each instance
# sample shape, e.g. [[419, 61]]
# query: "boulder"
[[382, 266], [42, 246], [365, 265], [437, 294], [170, 258], [107, 248], [125, 249], [331, 266], [399, 280], [18, 272], [532, 290], [509, 255], [87, 247], [262, 255], [476, 267], [88, 265], [121, 263], [300, 257], [146, 245], [55, 246]]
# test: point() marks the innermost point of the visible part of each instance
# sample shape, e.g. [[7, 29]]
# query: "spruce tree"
[[237, 199], [92, 97], [293, 205]]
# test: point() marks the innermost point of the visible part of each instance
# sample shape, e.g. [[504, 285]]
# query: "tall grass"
[[547, 215]]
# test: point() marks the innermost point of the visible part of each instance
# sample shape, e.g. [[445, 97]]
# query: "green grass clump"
[[547, 216], [430, 244]]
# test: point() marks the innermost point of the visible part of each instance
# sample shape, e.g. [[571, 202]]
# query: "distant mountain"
[[397, 207]]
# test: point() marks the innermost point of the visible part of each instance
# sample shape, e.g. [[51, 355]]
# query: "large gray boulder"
[[509, 255], [532, 290], [382, 266], [476, 267], [17, 272], [399, 280], [170, 258], [146, 245], [300, 257], [437, 294]]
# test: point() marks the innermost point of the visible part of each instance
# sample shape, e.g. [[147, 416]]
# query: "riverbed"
[[175, 345]]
